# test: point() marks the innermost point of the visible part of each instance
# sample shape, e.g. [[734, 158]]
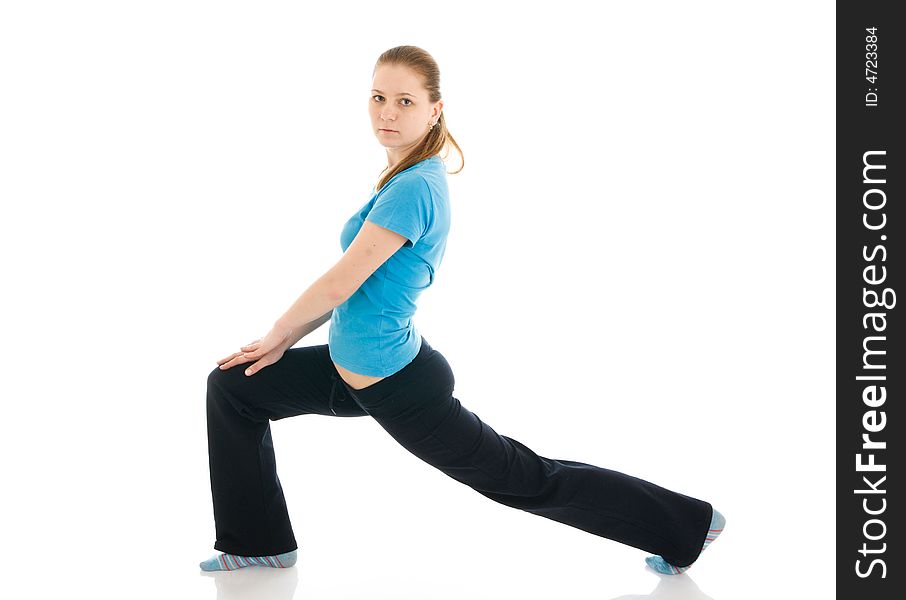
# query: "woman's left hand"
[[266, 351]]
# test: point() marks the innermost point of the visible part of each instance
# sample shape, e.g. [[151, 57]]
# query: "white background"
[[639, 275]]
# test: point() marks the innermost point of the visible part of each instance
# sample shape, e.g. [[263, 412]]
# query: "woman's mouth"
[[388, 130]]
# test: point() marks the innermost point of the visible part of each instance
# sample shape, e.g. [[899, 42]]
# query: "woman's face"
[[400, 110]]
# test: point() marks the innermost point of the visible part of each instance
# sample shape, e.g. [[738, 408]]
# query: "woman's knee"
[[222, 382], [216, 378]]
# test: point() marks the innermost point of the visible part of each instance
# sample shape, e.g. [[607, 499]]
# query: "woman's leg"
[[250, 513], [416, 407]]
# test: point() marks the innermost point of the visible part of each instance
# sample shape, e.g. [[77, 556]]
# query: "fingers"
[[244, 350], [251, 345], [258, 352], [258, 366], [230, 357], [251, 351], [236, 358]]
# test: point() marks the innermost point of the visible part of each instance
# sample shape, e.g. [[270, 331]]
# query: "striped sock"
[[662, 566], [231, 562]]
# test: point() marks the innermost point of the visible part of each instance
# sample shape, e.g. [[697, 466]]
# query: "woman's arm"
[[311, 309], [372, 246], [309, 327]]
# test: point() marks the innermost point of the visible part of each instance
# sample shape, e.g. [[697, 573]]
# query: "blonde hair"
[[438, 137]]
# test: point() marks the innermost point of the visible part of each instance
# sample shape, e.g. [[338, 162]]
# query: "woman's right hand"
[[265, 351]]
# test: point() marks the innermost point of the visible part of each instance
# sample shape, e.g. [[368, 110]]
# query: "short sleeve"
[[404, 206]]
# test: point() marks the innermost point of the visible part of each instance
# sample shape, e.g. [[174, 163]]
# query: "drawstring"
[[333, 388]]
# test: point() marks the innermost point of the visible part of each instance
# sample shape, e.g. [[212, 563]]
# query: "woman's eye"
[[381, 98]]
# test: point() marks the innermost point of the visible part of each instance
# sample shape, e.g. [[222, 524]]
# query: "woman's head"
[[406, 99]]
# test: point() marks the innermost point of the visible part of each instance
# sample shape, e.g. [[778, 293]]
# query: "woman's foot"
[[231, 562], [662, 566]]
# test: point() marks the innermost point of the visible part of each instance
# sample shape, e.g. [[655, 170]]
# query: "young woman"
[[378, 364]]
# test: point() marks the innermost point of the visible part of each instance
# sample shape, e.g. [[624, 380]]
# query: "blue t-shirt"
[[372, 332]]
